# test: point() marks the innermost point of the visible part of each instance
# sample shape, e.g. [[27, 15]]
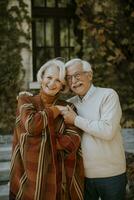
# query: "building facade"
[[54, 32]]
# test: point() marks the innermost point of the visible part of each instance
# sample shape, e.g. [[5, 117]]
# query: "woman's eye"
[[58, 81], [49, 77], [77, 76]]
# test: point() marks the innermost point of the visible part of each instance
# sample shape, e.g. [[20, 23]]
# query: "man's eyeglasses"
[[77, 76]]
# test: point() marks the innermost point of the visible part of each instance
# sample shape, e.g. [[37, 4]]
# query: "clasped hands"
[[68, 114]]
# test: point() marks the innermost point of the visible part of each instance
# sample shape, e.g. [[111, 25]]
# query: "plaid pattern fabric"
[[39, 170]]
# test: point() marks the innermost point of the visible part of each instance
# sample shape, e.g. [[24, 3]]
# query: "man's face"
[[78, 80]]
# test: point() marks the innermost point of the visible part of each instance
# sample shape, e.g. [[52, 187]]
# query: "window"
[[53, 27]]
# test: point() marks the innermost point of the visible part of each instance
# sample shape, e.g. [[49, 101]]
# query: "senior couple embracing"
[[68, 150]]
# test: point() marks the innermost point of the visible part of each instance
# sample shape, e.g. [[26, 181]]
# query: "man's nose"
[[74, 79]]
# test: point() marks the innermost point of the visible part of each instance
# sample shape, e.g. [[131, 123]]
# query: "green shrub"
[[11, 69]]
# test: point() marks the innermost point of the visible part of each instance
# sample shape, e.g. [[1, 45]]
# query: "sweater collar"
[[46, 99], [89, 93]]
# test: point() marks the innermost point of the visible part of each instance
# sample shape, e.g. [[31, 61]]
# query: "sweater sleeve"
[[70, 139], [55, 111], [110, 115], [29, 117]]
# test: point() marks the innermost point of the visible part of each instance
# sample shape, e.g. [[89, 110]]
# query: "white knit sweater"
[[99, 115]]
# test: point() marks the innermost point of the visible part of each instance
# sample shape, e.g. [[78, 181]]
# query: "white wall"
[[25, 53]]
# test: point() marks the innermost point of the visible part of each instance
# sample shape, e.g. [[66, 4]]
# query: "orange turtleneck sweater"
[[49, 101]]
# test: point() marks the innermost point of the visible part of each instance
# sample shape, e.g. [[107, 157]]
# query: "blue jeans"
[[111, 188]]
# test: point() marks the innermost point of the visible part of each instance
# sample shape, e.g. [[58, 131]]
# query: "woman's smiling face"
[[51, 83]]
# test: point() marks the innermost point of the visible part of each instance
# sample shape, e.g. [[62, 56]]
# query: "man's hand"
[[69, 115]]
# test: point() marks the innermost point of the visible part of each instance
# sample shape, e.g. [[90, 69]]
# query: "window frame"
[[55, 13]]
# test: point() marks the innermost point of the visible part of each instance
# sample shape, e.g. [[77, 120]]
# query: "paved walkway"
[[5, 156]]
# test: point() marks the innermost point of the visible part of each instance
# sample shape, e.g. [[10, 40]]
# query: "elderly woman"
[[46, 162]]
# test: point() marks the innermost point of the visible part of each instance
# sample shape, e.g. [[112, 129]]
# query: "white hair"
[[59, 64], [85, 65]]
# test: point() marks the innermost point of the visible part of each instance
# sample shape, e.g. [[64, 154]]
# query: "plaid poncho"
[[41, 170]]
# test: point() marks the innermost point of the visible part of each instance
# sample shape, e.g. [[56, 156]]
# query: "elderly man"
[[99, 115]]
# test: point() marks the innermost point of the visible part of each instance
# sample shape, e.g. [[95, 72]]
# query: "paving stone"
[[5, 153], [4, 171], [4, 191]]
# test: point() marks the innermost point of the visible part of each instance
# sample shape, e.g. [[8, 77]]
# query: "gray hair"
[[57, 63], [85, 65], [62, 72]]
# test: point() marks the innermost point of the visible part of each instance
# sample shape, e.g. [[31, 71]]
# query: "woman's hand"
[[62, 108], [69, 115]]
